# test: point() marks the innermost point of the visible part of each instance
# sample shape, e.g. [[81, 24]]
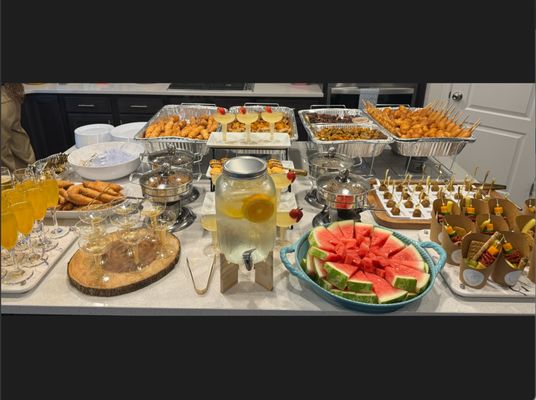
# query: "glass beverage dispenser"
[[246, 220]]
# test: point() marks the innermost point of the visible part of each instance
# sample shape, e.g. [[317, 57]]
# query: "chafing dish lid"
[[343, 183], [166, 177], [330, 159]]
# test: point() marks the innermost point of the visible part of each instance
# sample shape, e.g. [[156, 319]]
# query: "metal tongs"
[[203, 290]]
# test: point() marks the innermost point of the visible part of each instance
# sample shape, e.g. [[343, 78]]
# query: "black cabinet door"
[[126, 118], [76, 120], [88, 104], [43, 120], [139, 104]]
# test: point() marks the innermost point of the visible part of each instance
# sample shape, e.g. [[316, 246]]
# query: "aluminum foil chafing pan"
[[289, 113], [184, 111], [352, 112], [425, 147], [351, 148]]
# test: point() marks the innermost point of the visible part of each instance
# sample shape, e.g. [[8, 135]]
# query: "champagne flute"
[[9, 235], [39, 197], [24, 214], [52, 190]]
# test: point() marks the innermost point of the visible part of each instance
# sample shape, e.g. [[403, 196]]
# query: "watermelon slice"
[[340, 250], [379, 236], [322, 238], [352, 258], [402, 273], [324, 284], [380, 272], [347, 228], [334, 229], [339, 273], [361, 297], [350, 243], [323, 254], [410, 257], [385, 292], [310, 264], [362, 230], [392, 246], [368, 265], [359, 283], [319, 268]]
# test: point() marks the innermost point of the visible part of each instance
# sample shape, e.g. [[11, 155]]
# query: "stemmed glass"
[[96, 245], [224, 118], [247, 118], [132, 233], [208, 222], [272, 118], [39, 198], [152, 209], [50, 183], [6, 178], [164, 222], [9, 236]]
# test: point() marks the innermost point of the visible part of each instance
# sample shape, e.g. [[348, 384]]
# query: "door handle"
[[138, 106], [456, 96]]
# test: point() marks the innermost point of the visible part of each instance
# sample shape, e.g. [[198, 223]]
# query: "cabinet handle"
[[138, 106], [86, 105]]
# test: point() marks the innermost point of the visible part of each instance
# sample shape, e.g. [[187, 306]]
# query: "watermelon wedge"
[[362, 230], [335, 231], [368, 265], [339, 273], [352, 258], [361, 297], [358, 282], [340, 250], [392, 246], [379, 236], [385, 292], [323, 239], [319, 268], [324, 284], [347, 228], [310, 264], [401, 273], [410, 257], [323, 254], [350, 243]]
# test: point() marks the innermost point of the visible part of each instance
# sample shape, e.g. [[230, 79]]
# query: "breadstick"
[[110, 188], [63, 193], [75, 197], [95, 194], [63, 184]]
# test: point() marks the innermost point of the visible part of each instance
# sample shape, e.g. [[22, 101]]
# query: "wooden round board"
[[123, 276]]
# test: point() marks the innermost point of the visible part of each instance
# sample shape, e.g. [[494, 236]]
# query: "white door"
[[505, 142]]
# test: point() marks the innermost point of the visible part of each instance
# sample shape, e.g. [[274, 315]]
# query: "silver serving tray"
[[185, 111], [424, 147], [289, 113], [351, 148], [353, 112]]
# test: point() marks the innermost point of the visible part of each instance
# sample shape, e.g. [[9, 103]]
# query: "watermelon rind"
[[310, 264], [324, 284], [357, 225], [319, 268], [394, 295], [334, 229], [407, 283], [336, 276], [322, 254], [410, 295], [322, 238], [369, 298], [347, 228]]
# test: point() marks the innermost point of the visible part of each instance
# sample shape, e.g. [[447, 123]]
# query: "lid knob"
[[331, 151], [343, 176]]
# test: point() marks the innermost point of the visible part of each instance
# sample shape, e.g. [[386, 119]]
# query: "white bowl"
[[126, 132], [93, 133], [110, 172]]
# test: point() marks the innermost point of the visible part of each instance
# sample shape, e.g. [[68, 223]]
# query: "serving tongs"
[[202, 290]]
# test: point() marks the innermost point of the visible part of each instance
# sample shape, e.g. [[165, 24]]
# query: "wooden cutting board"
[[119, 267]]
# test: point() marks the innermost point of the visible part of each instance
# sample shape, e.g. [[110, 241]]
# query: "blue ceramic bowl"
[[302, 246]]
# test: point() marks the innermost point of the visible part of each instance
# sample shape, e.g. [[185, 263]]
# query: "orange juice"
[[9, 230], [52, 192], [24, 215], [38, 199], [12, 196]]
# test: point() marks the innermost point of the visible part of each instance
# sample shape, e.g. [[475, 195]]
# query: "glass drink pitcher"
[[245, 211]]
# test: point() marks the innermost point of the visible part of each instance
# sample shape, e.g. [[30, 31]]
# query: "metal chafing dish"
[[322, 162], [166, 184], [352, 148], [344, 196], [171, 155], [424, 147], [185, 111]]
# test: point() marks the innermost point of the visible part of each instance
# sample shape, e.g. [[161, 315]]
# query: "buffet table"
[[174, 294]]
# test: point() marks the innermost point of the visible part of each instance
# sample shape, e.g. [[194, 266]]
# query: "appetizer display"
[[513, 256], [322, 118], [348, 133], [87, 194], [281, 123], [194, 128], [429, 122], [486, 254]]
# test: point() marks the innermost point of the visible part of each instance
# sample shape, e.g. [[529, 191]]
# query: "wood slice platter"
[[123, 277]]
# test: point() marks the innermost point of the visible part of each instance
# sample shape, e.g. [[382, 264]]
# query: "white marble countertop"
[[259, 89], [175, 295]]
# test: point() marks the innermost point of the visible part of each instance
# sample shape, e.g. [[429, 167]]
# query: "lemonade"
[[208, 222], [284, 220], [271, 118], [224, 119], [247, 118]]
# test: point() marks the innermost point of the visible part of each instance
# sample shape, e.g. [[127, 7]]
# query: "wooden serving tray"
[[124, 278], [383, 218]]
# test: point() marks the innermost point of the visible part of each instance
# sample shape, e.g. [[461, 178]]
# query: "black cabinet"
[[43, 119], [88, 104], [126, 118], [139, 104]]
